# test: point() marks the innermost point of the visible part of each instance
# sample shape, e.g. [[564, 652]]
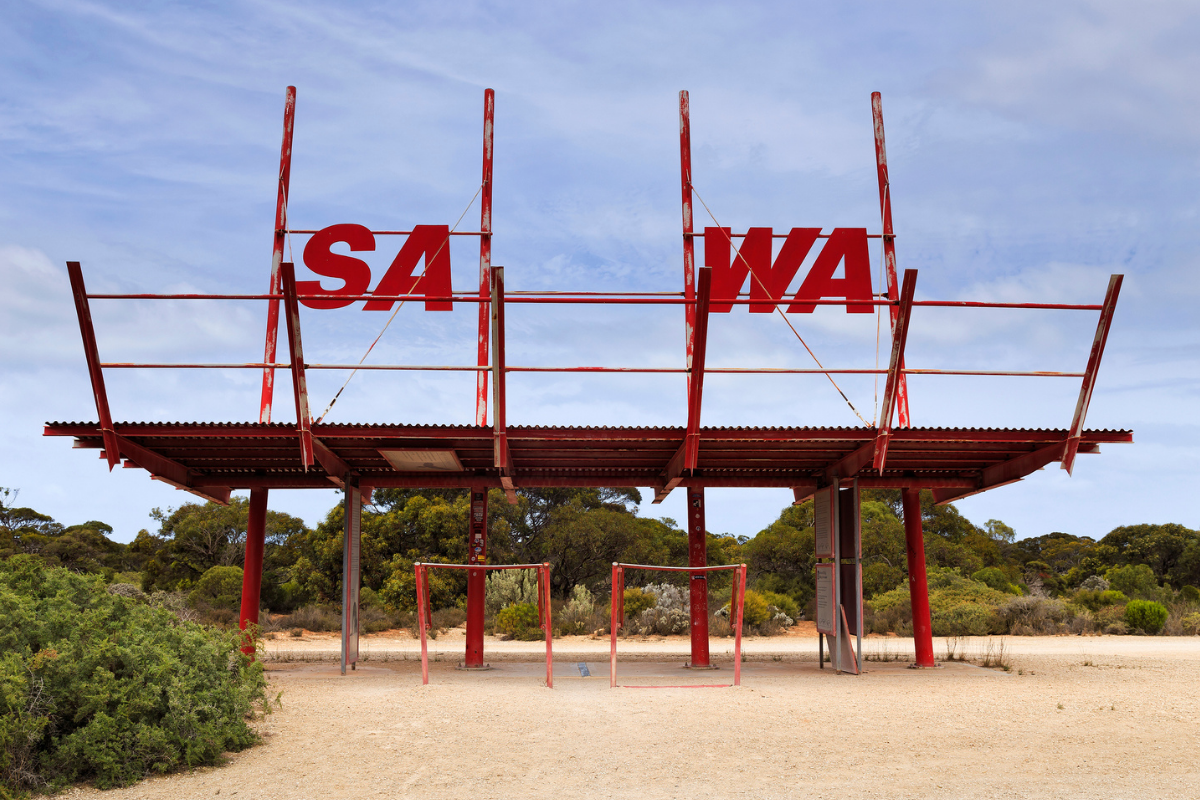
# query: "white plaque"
[[826, 619]]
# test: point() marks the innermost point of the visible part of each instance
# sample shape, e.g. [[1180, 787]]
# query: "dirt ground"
[[1086, 717]]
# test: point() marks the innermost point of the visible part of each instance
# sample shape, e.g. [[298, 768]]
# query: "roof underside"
[[210, 459]]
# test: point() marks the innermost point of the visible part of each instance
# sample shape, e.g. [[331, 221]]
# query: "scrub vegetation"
[[982, 579]]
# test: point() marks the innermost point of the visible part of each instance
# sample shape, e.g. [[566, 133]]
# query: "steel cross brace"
[[895, 369], [502, 457], [287, 274], [685, 459], [1089, 375]]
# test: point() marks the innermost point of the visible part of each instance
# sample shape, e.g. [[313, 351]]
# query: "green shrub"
[[520, 621], [754, 608], [783, 603], [509, 587], [1191, 624], [99, 686], [879, 577], [578, 615], [964, 619], [1145, 615], [219, 587], [996, 579], [1133, 580], [1095, 599], [313, 618], [637, 601], [1190, 595]]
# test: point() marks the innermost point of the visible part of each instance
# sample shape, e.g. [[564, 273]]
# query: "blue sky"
[[1034, 150]]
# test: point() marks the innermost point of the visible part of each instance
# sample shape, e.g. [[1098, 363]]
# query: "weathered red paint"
[[698, 583], [287, 275], [87, 330], [477, 530], [485, 257], [1093, 365], [918, 583], [889, 243], [689, 247], [891, 389], [283, 188], [252, 570]]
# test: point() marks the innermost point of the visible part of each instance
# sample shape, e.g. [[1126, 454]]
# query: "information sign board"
[[826, 603]]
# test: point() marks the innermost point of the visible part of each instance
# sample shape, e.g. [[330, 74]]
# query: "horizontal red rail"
[[477, 566], [680, 569], [648, 370], [614, 298]]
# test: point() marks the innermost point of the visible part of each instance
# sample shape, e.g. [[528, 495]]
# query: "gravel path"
[[1076, 717]]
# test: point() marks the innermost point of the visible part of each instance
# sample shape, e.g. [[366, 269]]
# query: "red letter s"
[[354, 273]]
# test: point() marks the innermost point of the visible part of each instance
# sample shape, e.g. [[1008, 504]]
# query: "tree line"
[[581, 532]]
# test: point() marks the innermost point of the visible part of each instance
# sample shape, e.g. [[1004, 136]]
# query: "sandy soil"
[[1094, 717]]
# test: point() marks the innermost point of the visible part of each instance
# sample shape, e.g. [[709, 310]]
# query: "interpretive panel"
[[823, 522], [826, 603]]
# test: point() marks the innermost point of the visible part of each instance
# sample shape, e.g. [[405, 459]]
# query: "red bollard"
[[256, 534], [918, 584]]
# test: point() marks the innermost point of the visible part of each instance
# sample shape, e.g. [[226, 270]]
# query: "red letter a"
[[844, 243], [432, 242]]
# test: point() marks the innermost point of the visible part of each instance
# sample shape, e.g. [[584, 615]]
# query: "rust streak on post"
[[281, 202], [485, 257]]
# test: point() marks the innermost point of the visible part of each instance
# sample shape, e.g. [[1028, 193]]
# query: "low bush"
[[509, 587], [219, 587], [579, 614], [786, 604], [1146, 616], [997, 579], [1190, 595], [97, 685], [1191, 624], [519, 621], [754, 609], [447, 618], [668, 614], [1031, 616], [312, 618], [636, 601]]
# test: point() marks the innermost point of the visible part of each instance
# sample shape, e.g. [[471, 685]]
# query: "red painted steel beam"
[[501, 457], [280, 234], [1010, 471], [891, 391], [485, 257], [918, 583], [169, 471], [689, 247], [337, 469], [88, 332], [848, 466], [1093, 366], [252, 572], [696, 367], [889, 245], [299, 381], [698, 583]]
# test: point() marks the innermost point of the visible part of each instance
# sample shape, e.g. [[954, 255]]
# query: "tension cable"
[[399, 305], [777, 308]]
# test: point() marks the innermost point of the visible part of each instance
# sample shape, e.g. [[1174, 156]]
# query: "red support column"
[[281, 223], [256, 534], [476, 578], [918, 584], [698, 584]]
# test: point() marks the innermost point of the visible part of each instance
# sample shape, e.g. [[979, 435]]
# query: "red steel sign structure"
[[740, 268]]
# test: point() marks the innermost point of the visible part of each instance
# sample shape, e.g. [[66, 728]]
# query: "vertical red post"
[[421, 576], [485, 258], [476, 578], [281, 202], [889, 250], [547, 625], [918, 584], [737, 600], [614, 621], [689, 244], [698, 583], [256, 535]]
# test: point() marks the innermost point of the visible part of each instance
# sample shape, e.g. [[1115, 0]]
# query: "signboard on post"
[[351, 576], [826, 603], [823, 521]]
